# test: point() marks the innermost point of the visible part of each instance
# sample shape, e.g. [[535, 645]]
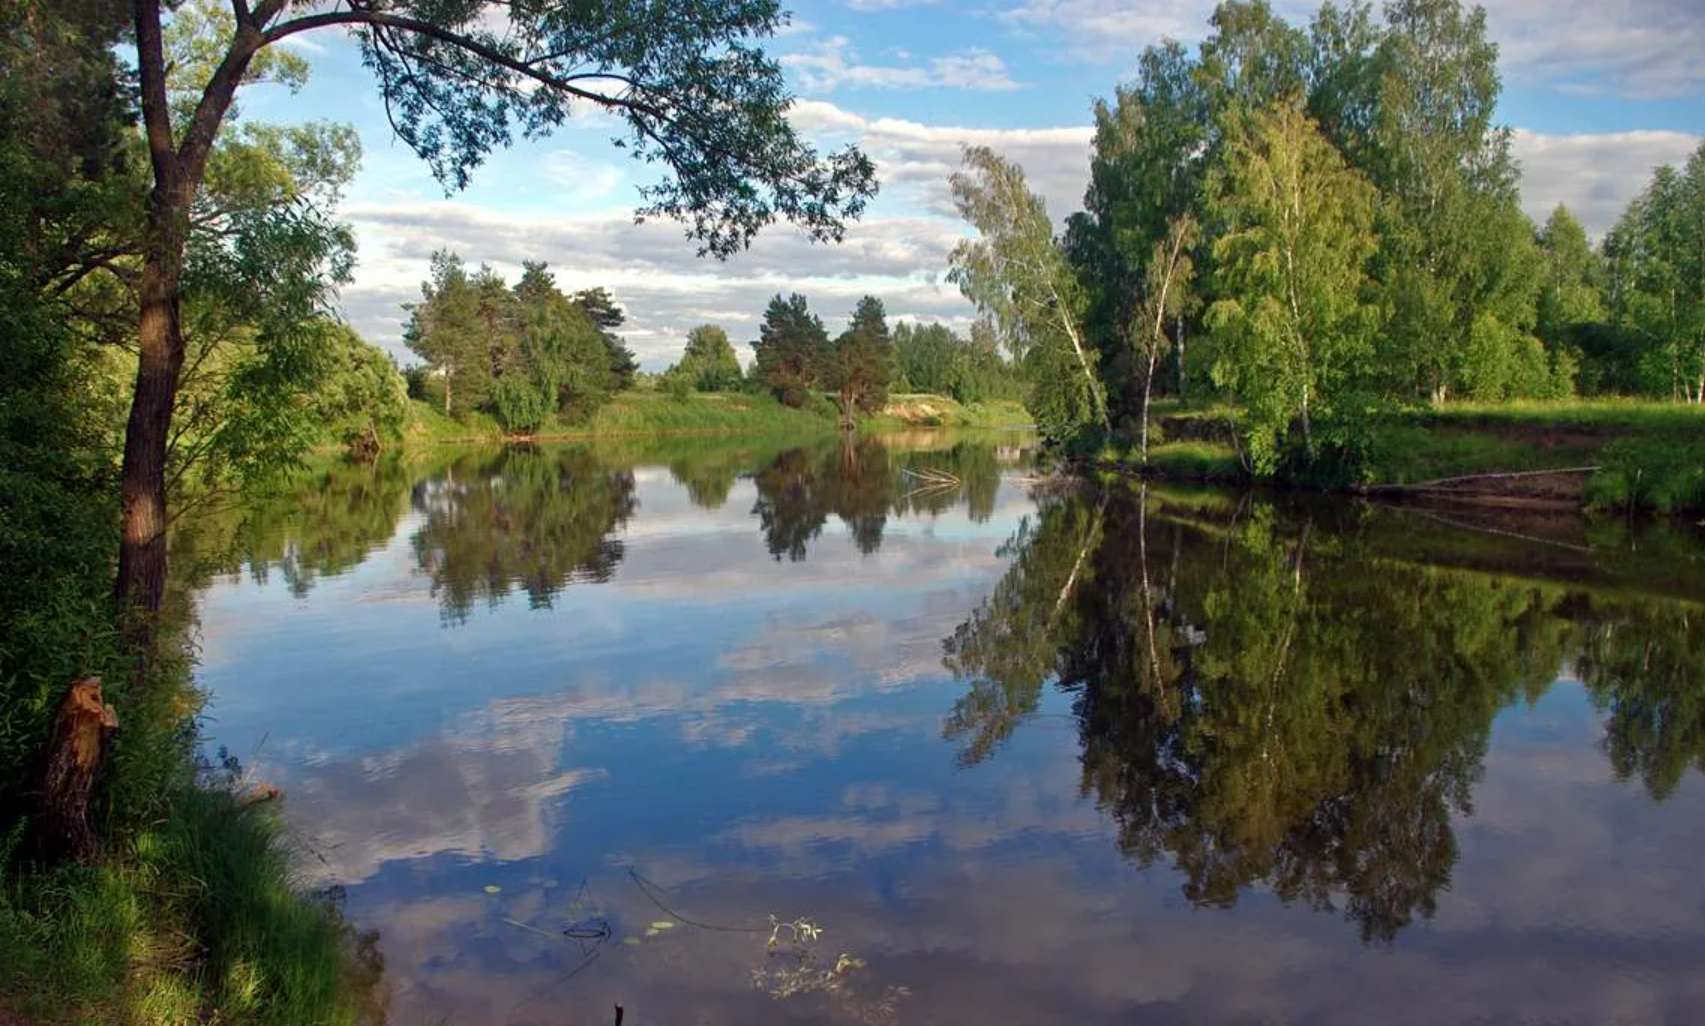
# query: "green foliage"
[[528, 355], [1571, 296], [708, 364], [1655, 261], [1663, 472], [702, 103], [790, 350], [932, 358], [1017, 274], [1293, 327], [857, 365], [363, 394], [601, 309]]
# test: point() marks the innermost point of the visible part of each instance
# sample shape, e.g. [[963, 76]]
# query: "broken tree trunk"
[[76, 752]]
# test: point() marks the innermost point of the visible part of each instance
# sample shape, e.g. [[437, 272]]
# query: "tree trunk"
[[1181, 395], [446, 390], [1307, 431], [141, 584], [1148, 387], [76, 752]]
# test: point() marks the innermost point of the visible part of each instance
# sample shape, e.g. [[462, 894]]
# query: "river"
[[729, 731]]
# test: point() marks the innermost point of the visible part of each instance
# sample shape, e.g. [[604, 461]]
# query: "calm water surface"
[[575, 728]]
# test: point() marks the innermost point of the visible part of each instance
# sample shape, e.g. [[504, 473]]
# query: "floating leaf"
[[632, 942], [493, 889], [663, 924], [652, 931]]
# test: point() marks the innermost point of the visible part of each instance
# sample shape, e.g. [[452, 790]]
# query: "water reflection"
[[1266, 701], [1186, 739], [522, 519]]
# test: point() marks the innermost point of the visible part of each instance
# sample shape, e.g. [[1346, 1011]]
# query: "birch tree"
[[1017, 275], [1293, 321], [1166, 296]]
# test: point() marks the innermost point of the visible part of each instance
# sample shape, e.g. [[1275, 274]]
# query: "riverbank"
[[1599, 455], [639, 413], [190, 911]]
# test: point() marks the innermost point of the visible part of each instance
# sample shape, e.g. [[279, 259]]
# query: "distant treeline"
[[530, 353]]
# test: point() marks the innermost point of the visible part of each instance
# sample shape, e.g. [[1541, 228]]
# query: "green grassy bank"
[[655, 413], [1648, 455]]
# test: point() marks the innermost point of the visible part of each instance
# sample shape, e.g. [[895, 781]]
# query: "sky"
[[1599, 92]]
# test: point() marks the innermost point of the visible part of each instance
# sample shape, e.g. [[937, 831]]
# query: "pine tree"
[[861, 362], [790, 349]]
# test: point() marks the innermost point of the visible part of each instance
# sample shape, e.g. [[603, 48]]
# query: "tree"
[[445, 330], [1293, 323], [363, 401], [1146, 169], [1458, 260], [1017, 275], [562, 357], [1570, 296], [601, 307], [857, 367], [697, 97], [1656, 256], [790, 349], [1166, 295], [709, 360]]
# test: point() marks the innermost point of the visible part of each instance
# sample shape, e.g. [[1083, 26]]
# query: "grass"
[[1605, 415], [655, 413], [640, 413], [1196, 461], [1652, 455], [192, 919]]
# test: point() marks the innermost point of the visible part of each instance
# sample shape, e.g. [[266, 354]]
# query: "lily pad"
[[493, 889], [663, 924]]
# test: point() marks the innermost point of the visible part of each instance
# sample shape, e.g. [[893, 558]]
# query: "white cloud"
[[915, 159], [1594, 175], [1639, 48], [832, 63], [884, 5]]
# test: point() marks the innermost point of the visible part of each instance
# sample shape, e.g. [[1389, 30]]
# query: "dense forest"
[[1317, 223]]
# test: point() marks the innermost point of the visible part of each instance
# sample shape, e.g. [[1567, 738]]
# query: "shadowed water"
[[579, 727]]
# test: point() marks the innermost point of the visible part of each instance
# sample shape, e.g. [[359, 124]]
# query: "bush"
[[1661, 473]]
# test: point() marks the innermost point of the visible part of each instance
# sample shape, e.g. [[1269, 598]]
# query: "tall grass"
[[194, 918]]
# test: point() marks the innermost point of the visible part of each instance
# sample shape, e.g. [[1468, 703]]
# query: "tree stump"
[[76, 752]]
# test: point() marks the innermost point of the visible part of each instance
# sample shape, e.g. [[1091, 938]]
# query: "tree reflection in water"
[[522, 519], [1264, 701]]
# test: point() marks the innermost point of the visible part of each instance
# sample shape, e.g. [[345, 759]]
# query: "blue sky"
[[1599, 93]]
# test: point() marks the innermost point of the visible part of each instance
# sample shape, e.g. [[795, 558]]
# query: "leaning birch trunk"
[[76, 752], [1148, 389]]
